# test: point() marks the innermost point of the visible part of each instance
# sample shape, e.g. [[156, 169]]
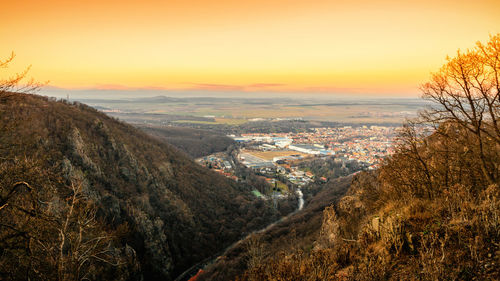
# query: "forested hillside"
[[84, 196], [194, 142], [298, 231]]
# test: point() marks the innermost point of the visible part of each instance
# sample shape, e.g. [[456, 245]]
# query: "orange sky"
[[379, 47]]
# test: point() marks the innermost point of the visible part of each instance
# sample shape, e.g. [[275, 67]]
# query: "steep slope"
[[298, 231], [163, 209], [429, 213]]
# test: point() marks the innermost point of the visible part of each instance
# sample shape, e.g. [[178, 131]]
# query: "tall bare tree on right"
[[466, 94]]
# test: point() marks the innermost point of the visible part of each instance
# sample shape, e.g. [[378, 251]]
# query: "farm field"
[[227, 121], [234, 112], [269, 155]]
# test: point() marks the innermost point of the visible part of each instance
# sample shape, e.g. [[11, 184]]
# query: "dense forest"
[[274, 126], [194, 142], [330, 167], [84, 196]]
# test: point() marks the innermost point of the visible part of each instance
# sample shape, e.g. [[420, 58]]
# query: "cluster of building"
[[276, 171], [279, 167], [274, 156], [365, 144], [219, 163]]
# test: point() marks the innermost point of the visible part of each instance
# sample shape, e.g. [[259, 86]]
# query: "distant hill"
[[194, 142], [85, 195]]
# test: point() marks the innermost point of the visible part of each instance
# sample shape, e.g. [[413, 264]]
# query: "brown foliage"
[[466, 92], [432, 211], [171, 212], [18, 82], [43, 237], [177, 212]]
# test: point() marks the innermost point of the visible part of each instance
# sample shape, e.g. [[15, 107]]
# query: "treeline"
[[194, 142], [330, 167], [281, 126]]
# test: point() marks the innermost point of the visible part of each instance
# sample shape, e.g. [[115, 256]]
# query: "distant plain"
[[236, 111]]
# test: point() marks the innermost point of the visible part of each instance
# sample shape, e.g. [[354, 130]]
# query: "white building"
[[305, 148]]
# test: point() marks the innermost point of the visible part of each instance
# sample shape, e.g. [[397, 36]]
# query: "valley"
[[250, 140]]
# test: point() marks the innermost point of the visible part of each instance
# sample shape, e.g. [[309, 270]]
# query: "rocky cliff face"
[[165, 211]]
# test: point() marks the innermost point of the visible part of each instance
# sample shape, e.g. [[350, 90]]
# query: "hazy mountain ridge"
[[169, 211]]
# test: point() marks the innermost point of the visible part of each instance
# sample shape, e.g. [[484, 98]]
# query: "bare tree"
[[82, 241], [15, 83], [466, 93], [60, 240]]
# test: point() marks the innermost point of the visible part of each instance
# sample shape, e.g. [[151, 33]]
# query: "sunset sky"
[[358, 47]]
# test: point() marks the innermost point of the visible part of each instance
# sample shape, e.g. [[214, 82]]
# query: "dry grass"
[[269, 155], [400, 224]]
